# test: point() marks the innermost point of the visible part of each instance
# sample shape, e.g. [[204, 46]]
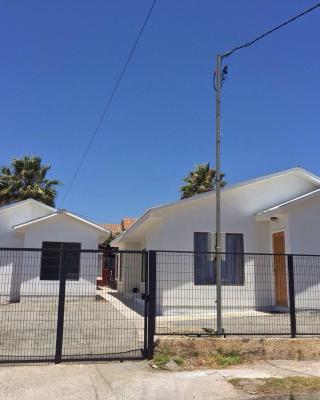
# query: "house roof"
[[24, 202], [113, 228], [118, 228], [309, 176], [127, 222], [277, 207], [55, 214]]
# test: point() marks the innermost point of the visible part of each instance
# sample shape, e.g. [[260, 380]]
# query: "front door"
[[280, 275]]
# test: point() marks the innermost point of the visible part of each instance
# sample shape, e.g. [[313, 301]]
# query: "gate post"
[[292, 303], [61, 302], [152, 273], [145, 261]]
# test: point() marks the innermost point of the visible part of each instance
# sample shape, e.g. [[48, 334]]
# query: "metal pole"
[[218, 195], [293, 322], [61, 303], [152, 285]]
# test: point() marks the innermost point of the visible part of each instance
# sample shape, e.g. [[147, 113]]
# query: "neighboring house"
[[124, 225], [29, 225], [274, 213], [115, 229], [109, 263]]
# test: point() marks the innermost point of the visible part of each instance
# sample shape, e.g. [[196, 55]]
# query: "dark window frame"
[[204, 271], [207, 259], [238, 256], [57, 253]]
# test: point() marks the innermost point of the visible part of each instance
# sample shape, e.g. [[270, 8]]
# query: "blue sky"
[[60, 59]]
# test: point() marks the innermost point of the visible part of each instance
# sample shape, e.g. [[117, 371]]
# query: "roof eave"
[[306, 174], [32, 201], [20, 227]]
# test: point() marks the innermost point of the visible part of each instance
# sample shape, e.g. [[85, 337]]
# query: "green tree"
[[25, 179], [200, 180], [110, 238]]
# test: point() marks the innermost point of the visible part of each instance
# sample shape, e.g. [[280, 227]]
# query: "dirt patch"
[[193, 353], [290, 385]]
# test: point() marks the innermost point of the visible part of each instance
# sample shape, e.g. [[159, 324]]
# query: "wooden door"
[[280, 275]]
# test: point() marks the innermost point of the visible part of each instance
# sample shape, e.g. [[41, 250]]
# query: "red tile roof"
[[114, 228], [127, 222], [118, 228]]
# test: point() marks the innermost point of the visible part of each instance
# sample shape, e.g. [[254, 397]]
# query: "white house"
[[277, 213], [40, 232]]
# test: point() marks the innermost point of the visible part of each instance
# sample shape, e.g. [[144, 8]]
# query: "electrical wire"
[[115, 88], [228, 53]]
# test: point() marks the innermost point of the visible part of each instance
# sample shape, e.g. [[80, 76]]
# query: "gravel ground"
[[92, 328], [249, 323], [102, 328]]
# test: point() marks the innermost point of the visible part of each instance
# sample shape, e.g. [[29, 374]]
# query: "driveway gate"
[[51, 308]]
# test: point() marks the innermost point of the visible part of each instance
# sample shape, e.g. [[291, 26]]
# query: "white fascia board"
[[41, 219], [279, 207], [86, 221], [296, 170], [28, 201], [33, 221]]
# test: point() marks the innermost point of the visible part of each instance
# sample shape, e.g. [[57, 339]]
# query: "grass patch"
[[189, 357], [290, 385], [163, 356], [179, 361], [226, 358]]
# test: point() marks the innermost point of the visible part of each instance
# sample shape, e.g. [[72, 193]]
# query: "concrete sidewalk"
[[135, 381]]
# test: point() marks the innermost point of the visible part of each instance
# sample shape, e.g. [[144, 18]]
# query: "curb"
[[298, 396]]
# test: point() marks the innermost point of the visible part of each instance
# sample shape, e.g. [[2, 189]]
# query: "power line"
[[228, 53], [115, 88]]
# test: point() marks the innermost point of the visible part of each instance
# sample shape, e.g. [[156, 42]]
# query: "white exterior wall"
[[61, 229], [175, 231], [14, 216], [304, 238], [10, 262], [20, 271], [130, 265]]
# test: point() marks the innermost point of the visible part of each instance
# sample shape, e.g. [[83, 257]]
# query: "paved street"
[[136, 381]]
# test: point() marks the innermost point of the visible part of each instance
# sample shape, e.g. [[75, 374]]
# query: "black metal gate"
[[53, 306]]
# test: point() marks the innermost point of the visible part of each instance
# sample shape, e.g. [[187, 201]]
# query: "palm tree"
[[26, 179], [200, 180]]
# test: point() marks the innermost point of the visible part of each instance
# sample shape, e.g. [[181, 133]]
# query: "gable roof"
[[24, 202], [61, 212], [277, 207], [308, 176]]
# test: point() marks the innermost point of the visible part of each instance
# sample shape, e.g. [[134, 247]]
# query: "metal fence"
[[53, 306], [262, 294], [52, 310]]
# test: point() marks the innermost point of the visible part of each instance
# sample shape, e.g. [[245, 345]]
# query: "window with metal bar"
[[55, 254], [232, 268]]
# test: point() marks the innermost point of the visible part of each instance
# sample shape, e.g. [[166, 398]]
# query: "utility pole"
[[218, 78], [218, 195]]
